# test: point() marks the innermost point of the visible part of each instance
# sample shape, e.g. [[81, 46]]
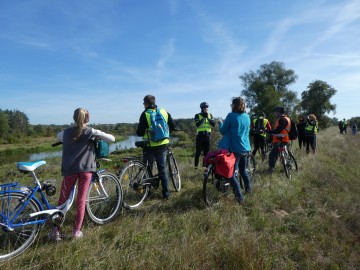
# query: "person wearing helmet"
[[203, 121], [258, 127], [280, 133]]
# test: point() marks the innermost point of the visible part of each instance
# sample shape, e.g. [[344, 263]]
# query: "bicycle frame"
[[30, 193]]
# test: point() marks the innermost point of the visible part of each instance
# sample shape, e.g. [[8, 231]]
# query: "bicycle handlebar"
[[56, 144]]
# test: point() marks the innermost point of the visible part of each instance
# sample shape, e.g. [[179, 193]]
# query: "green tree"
[[316, 100], [268, 87], [4, 124]]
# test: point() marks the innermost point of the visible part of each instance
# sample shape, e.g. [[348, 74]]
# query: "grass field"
[[309, 222]]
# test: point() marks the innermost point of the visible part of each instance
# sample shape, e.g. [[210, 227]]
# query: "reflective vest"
[[311, 129], [284, 134], [146, 136], [265, 121], [205, 126]]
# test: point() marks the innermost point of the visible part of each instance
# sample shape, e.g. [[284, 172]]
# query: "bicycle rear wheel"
[[104, 198], [131, 179], [174, 172], [214, 189], [16, 238]]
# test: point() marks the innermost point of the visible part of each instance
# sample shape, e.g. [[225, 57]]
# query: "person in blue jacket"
[[235, 130]]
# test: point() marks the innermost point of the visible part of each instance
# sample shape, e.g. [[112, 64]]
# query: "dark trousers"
[[302, 141], [160, 157], [259, 142], [274, 155], [311, 141], [202, 145]]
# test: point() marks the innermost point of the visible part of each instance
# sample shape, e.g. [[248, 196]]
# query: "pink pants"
[[67, 185]]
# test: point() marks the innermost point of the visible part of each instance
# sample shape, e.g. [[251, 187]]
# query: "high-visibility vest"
[[284, 134], [311, 129], [205, 126], [146, 136], [265, 121]]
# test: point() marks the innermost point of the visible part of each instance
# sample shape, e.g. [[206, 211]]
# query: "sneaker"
[[54, 235], [77, 235], [271, 171]]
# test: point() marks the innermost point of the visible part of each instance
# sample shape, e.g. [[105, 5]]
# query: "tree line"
[[269, 86], [263, 89]]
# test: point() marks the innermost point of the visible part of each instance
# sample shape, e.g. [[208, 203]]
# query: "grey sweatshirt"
[[79, 156]]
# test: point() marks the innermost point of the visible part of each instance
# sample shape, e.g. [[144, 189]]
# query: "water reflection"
[[121, 145]]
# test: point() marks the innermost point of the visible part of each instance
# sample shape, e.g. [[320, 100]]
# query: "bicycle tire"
[[251, 169], [174, 172], [104, 199], [212, 191], [15, 242], [131, 180], [285, 166], [293, 162]]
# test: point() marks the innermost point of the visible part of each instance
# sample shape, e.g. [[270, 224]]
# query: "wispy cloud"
[[166, 53], [347, 14]]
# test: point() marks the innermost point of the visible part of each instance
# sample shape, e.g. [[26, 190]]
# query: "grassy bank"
[[310, 222]]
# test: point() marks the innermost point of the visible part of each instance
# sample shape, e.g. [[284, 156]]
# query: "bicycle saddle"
[[30, 166]]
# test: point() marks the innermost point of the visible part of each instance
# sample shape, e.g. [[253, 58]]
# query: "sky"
[[106, 55]]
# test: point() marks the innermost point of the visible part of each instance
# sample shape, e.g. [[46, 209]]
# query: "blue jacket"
[[235, 130]]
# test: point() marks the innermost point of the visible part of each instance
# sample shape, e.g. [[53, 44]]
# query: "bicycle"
[[287, 159], [215, 186], [24, 209], [136, 177], [250, 169]]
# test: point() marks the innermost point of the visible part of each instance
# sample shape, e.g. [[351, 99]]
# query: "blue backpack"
[[159, 129]]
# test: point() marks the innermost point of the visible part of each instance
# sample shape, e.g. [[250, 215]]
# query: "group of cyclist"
[[236, 130], [79, 160]]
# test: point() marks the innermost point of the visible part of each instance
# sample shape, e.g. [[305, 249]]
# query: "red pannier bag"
[[211, 156], [224, 164]]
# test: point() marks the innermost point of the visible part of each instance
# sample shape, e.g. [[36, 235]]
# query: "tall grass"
[[309, 222]]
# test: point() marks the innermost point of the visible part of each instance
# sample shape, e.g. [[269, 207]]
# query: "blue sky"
[[106, 55]]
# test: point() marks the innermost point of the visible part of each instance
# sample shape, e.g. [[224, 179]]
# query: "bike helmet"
[[204, 105], [262, 114], [279, 109]]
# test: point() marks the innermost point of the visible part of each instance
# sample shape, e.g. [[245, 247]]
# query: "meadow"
[[309, 222]]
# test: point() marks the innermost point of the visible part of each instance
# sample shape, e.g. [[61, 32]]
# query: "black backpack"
[[259, 124], [293, 133]]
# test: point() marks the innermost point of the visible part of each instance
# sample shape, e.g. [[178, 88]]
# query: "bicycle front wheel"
[[174, 172], [251, 168], [285, 166], [104, 198], [292, 162], [135, 190], [19, 233]]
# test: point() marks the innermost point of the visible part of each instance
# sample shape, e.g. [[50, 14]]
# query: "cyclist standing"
[[258, 127], [203, 121], [311, 129], [155, 151], [78, 165], [235, 130], [280, 134]]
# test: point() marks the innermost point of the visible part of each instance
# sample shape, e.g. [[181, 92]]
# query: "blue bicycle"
[[24, 210]]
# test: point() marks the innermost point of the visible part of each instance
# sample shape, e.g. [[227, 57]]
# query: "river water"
[[6, 159]]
